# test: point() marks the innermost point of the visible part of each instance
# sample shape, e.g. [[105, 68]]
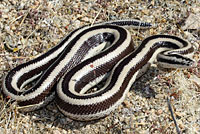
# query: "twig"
[[23, 19], [96, 17], [172, 114]]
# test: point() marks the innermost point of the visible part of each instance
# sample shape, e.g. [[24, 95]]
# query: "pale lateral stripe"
[[40, 104], [30, 67], [135, 60], [29, 80], [97, 63], [65, 61], [110, 93], [105, 112], [120, 77], [104, 96], [61, 65]]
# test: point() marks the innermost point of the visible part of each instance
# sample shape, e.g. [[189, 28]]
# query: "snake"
[[90, 71]]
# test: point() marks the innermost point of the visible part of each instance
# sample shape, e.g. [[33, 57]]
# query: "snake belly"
[[83, 59]]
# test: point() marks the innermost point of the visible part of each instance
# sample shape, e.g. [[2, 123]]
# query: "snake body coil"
[[83, 59]]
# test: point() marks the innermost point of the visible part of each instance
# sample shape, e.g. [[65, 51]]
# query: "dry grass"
[[29, 28]]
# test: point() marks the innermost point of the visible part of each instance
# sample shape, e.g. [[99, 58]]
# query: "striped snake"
[[83, 59]]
